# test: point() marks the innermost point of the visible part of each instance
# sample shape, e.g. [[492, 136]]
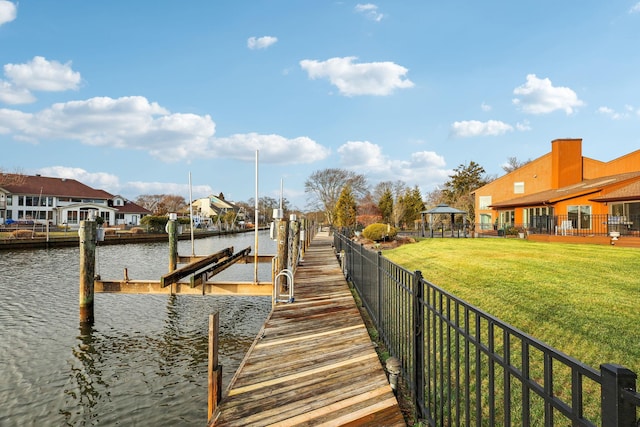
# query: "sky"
[[136, 97]]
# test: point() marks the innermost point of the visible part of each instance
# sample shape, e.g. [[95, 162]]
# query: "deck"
[[313, 363]]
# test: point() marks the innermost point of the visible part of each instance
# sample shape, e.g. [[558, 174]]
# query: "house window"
[[580, 216], [484, 201], [540, 218], [72, 217], [518, 188], [507, 217], [485, 222]]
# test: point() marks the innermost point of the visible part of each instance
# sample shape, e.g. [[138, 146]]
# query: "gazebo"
[[442, 209]]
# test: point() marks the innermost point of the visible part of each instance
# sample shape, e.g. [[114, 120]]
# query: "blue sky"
[[132, 96]]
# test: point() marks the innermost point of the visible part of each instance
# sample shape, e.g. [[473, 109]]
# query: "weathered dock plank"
[[313, 362]]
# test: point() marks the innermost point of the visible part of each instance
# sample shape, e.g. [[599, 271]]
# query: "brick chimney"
[[566, 162]]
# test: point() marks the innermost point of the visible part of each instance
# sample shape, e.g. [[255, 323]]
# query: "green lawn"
[[581, 299]]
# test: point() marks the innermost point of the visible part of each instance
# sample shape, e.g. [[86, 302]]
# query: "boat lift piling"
[[200, 269], [88, 238]]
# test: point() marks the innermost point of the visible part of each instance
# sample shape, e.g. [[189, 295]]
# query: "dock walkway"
[[313, 363]]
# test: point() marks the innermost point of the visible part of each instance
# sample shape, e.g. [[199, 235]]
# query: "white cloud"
[[370, 11], [140, 187], [43, 75], [470, 128], [363, 155], [373, 78], [100, 180], [273, 149], [539, 96], [135, 123], [615, 115], [8, 12], [635, 8], [261, 42], [37, 75], [111, 183], [523, 126], [425, 169], [12, 95], [485, 107]]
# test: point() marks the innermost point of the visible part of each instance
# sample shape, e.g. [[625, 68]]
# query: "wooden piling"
[[303, 237], [172, 230], [214, 370], [283, 250], [295, 244], [87, 236]]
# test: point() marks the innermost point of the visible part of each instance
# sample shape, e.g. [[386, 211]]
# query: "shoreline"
[[121, 239]]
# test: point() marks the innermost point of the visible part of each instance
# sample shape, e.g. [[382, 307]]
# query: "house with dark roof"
[[61, 201], [564, 192]]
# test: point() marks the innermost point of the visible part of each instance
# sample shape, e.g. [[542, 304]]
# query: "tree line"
[[346, 199]]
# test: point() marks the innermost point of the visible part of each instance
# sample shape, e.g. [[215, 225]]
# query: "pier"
[[313, 362]]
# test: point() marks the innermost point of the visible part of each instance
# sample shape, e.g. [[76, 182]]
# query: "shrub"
[[377, 232], [155, 223]]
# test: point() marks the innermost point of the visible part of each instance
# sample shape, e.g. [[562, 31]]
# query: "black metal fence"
[[465, 367], [566, 225]]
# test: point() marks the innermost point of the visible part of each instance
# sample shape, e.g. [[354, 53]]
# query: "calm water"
[[144, 360]]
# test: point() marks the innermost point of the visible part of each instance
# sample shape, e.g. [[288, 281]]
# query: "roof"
[[628, 192], [219, 203], [132, 208], [444, 209], [589, 186], [46, 186]]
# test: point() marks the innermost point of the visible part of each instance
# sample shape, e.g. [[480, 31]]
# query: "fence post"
[[418, 342], [379, 287], [360, 279], [616, 412]]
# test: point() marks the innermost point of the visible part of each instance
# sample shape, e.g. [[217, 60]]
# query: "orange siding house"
[[564, 192]]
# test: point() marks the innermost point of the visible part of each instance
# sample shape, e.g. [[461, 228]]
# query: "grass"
[[581, 299]]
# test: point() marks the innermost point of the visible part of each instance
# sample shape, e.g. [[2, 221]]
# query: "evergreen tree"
[[385, 204], [458, 190], [346, 209], [413, 203]]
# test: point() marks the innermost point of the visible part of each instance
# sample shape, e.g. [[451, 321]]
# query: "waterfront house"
[[564, 192], [30, 199], [208, 208]]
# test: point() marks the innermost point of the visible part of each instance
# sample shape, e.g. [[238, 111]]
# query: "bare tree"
[[324, 187], [161, 204], [173, 203], [513, 163]]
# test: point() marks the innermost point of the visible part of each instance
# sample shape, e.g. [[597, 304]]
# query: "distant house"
[[206, 208], [61, 201], [128, 212], [565, 192]]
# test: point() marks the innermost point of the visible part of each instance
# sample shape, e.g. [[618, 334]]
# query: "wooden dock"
[[313, 363]]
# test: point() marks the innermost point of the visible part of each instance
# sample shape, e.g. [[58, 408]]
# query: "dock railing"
[[465, 367]]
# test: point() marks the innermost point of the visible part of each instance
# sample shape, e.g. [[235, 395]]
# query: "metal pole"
[[255, 227], [193, 249]]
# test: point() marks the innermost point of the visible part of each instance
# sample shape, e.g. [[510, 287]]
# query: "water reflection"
[[142, 362], [87, 377]]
